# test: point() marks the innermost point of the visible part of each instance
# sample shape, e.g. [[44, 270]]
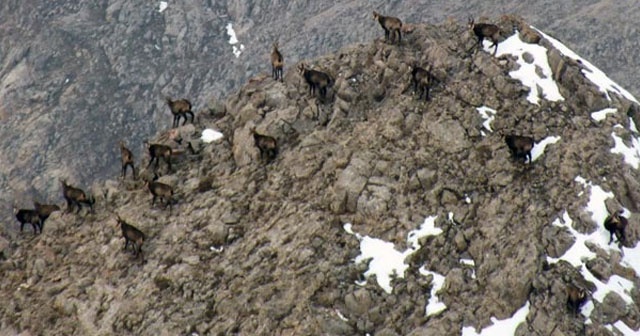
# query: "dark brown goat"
[[160, 190], [615, 223], [127, 160], [421, 80], [44, 211], [157, 151], [179, 108], [520, 146], [390, 25], [576, 297], [75, 196], [267, 145], [132, 235], [486, 31], [277, 62], [30, 216], [316, 80]]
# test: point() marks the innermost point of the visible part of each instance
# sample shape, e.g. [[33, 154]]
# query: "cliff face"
[[77, 76], [283, 248]]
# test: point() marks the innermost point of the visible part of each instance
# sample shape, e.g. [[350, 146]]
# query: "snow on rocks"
[[387, 262], [534, 71]]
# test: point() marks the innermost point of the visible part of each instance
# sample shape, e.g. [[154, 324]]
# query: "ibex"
[[127, 160], [520, 146], [390, 25], [615, 223], [75, 196], [486, 30], [179, 108], [131, 235], [157, 151], [266, 144], [277, 62], [30, 216], [315, 79], [160, 190]]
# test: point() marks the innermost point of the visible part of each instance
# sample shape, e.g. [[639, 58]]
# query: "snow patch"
[[210, 135], [632, 125], [233, 40], [602, 114], [537, 75], [470, 262], [488, 114], [387, 262], [579, 253], [500, 327], [538, 149], [434, 306], [631, 154], [595, 75], [163, 6]]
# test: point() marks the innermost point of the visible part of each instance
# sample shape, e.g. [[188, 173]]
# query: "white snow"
[[434, 306], [386, 261], [631, 154], [210, 135], [624, 329], [233, 40], [428, 228], [602, 114], [596, 201], [595, 75], [500, 327], [470, 262], [163, 6], [632, 126], [341, 316], [579, 253], [539, 84], [488, 114], [538, 148], [216, 249]]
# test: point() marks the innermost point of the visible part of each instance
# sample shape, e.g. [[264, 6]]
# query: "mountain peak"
[[300, 244]]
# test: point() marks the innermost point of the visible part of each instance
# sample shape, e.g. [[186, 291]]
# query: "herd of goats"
[[519, 146]]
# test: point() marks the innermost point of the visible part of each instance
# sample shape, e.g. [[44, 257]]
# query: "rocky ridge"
[[255, 249]]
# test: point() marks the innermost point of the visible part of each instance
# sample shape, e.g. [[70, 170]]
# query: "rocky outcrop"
[[252, 248]]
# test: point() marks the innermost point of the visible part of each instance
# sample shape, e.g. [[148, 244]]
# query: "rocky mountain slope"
[[270, 249], [78, 76]]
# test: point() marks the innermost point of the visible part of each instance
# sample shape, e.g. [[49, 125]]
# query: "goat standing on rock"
[[615, 223], [160, 190], [421, 80], [520, 146], [179, 108], [157, 151], [576, 297], [30, 216], [44, 211], [127, 160], [266, 144], [316, 80], [75, 196], [486, 30], [277, 62], [390, 25], [132, 235]]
